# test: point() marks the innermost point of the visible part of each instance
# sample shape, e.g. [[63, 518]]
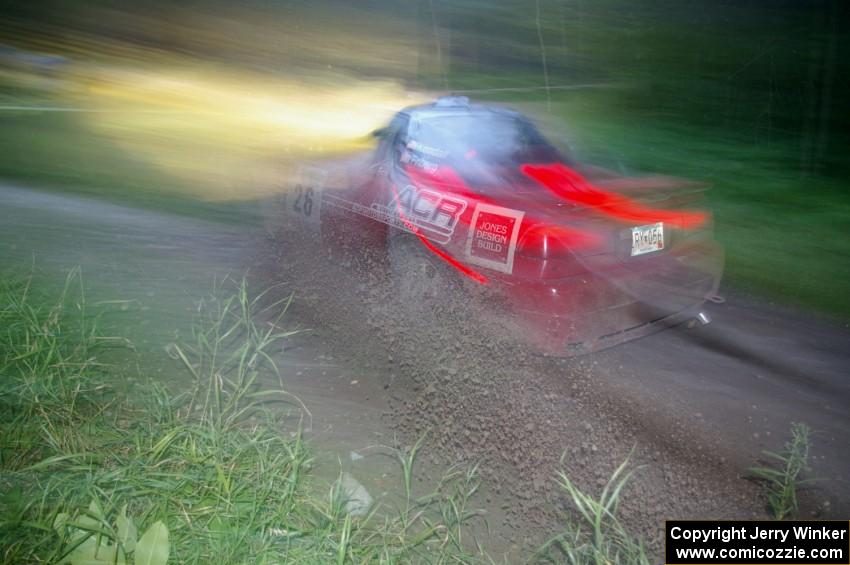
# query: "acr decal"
[[412, 209], [463, 269], [493, 235]]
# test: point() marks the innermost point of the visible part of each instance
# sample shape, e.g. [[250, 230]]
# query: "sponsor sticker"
[[492, 237], [304, 199], [427, 149], [433, 214]]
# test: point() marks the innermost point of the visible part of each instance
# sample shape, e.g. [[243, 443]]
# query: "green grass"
[[596, 536], [782, 478], [81, 460]]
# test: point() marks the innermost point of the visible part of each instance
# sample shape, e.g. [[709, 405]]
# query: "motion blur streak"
[[218, 130], [213, 100], [570, 185]]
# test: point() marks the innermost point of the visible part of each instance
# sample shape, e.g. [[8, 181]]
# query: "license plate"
[[646, 239]]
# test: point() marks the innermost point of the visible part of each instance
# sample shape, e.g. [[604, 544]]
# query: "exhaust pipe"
[[703, 318]]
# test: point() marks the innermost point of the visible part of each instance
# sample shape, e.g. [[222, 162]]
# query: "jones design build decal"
[[435, 215], [492, 238]]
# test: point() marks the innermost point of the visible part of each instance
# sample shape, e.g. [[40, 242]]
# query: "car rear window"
[[487, 139]]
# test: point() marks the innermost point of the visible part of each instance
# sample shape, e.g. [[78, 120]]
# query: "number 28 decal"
[[303, 201]]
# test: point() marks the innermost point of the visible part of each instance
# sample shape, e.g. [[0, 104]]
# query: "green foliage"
[[598, 537], [782, 478], [91, 540], [406, 459], [206, 474], [153, 546], [51, 375], [228, 353]]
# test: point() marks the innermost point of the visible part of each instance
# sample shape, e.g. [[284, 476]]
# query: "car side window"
[[390, 136], [397, 141]]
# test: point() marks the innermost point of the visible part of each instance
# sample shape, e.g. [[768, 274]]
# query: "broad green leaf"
[[90, 520], [83, 552], [126, 530], [152, 548], [94, 508], [90, 553]]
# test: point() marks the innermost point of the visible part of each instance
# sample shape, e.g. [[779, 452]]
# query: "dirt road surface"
[[693, 407]]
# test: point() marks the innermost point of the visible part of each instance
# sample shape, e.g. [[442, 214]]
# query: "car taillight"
[[555, 242]]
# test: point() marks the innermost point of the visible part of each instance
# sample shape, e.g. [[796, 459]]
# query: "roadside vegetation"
[[101, 467], [597, 536], [207, 471], [781, 474]]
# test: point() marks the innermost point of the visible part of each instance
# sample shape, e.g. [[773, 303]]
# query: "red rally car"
[[459, 195]]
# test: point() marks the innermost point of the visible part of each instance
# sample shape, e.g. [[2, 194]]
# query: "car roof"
[[449, 106]]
